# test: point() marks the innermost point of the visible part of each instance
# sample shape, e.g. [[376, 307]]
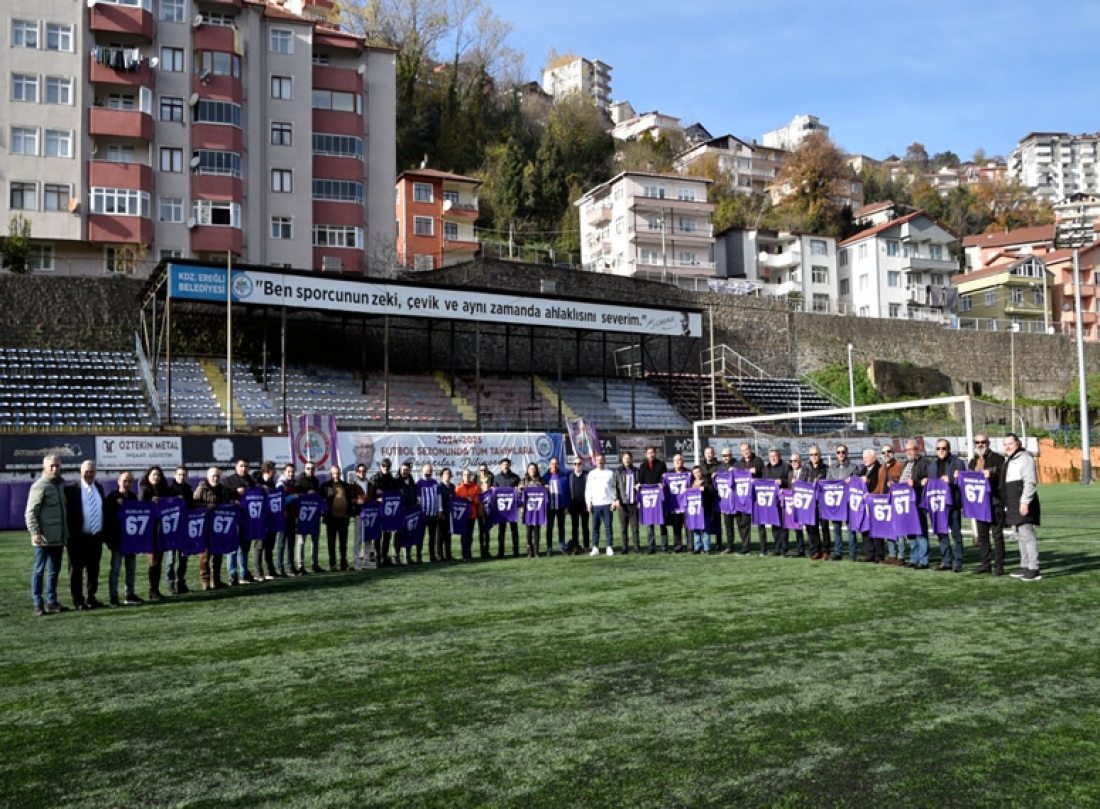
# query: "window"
[[171, 209], [216, 213], [56, 197], [965, 303], [337, 236], [895, 310], [172, 10], [171, 159], [937, 279], [23, 197], [845, 287], [217, 63], [59, 37], [935, 252], [653, 222], [171, 59], [1037, 297], [342, 146], [120, 101], [864, 282], [282, 227], [227, 164], [821, 303], [282, 87], [865, 311], [282, 134], [424, 263], [650, 257], [687, 225], [338, 190], [862, 252], [282, 181], [423, 226], [171, 254], [450, 231], [171, 108], [320, 58], [24, 34], [282, 40], [685, 193], [59, 143], [24, 88], [688, 259], [217, 112], [892, 248], [24, 140], [451, 197], [842, 258], [654, 190], [59, 91], [40, 258], [1017, 296], [120, 201], [819, 275], [906, 250], [120, 154], [893, 278], [818, 247], [220, 20], [337, 101], [118, 260], [422, 192], [990, 297]]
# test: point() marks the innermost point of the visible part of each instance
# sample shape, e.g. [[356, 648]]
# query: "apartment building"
[[790, 136], [750, 167], [780, 264], [654, 123], [901, 268], [650, 224], [134, 130], [1008, 295], [1056, 165], [570, 74], [983, 250], [436, 212]]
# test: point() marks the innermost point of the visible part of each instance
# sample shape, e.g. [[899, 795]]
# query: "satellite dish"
[[360, 70], [447, 205], [74, 205], [193, 100], [204, 76], [190, 223], [195, 161], [154, 61], [196, 21]]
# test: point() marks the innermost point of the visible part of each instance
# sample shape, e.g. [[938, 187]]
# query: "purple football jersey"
[[274, 512], [652, 498], [138, 522], [832, 500], [412, 527], [460, 515], [252, 513], [488, 507], [694, 519], [224, 528], [975, 491], [723, 485], [677, 484], [903, 499], [857, 506], [631, 493], [557, 488], [506, 504], [880, 516], [173, 530], [742, 491], [391, 512], [765, 502], [535, 499], [790, 518], [196, 532], [427, 494], [805, 502], [937, 502], [370, 517]]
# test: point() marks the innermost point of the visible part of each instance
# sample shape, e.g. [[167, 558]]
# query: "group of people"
[[260, 524]]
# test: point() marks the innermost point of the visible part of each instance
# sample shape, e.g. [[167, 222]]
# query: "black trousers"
[[993, 553], [628, 526], [744, 530], [500, 539], [336, 532], [85, 554], [578, 513], [555, 517]]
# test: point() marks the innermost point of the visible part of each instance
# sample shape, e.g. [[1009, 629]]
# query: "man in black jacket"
[[626, 501], [235, 484], [744, 521], [506, 478], [816, 469], [578, 511], [777, 469], [652, 472], [175, 563], [84, 510], [308, 482], [380, 483], [989, 463]]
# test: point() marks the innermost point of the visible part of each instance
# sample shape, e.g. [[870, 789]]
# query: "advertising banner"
[[200, 452], [456, 450], [24, 453], [137, 453]]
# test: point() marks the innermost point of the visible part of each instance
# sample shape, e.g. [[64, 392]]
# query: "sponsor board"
[[455, 450], [204, 451], [137, 453], [24, 453]]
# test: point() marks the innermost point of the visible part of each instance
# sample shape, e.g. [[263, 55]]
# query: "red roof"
[[866, 234], [1034, 235], [438, 175]]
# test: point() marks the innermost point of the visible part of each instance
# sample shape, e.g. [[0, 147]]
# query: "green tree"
[[509, 196], [810, 176], [944, 159], [917, 156], [647, 153], [15, 248], [1009, 205], [549, 189]]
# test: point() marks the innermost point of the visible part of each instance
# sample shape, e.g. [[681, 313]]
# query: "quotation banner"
[[306, 291], [456, 450]]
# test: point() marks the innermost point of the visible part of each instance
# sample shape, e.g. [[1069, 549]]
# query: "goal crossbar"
[[965, 401]]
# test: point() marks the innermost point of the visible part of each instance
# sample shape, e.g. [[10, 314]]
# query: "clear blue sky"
[[952, 75]]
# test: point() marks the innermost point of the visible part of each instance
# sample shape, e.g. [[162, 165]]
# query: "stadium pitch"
[[624, 681]]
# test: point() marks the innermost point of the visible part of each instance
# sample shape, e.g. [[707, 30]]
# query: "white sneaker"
[[595, 551], [610, 551]]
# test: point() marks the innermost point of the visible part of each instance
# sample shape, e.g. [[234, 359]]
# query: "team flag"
[[313, 439]]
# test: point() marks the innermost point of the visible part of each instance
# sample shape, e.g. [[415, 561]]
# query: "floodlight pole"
[[851, 385], [229, 342]]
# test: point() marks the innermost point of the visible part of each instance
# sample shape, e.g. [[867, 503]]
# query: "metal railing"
[[147, 376]]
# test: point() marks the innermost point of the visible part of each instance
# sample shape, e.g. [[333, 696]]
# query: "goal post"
[[699, 426]]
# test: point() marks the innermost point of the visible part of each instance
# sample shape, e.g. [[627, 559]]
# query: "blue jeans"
[[838, 540], [555, 517], [175, 568], [895, 548], [652, 537], [918, 551], [701, 540], [601, 514], [238, 561], [951, 545], [43, 556], [117, 561]]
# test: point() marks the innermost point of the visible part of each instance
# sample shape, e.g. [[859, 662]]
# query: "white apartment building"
[[1056, 165], [898, 269], [655, 123], [782, 264], [575, 74], [749, 167], [649, 224], [134, 130], [790, 136]]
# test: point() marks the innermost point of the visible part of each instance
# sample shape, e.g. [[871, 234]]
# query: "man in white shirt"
[[599, 496]]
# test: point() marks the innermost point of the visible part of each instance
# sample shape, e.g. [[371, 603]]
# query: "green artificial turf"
[[631, 681]]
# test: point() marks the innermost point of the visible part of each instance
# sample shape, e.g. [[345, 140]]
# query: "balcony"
[[113, 229], [460, 244], [114, 19], [599, 215], [216, 239], [216, 186], [338, 259], [643, 203], [213, 38], [218, 88], [338, 168], [343, 79], [924, 264], [462, 209], [781, 261], [120, 123], [219, 137], [143, 76], [674, 264], [106, 174]]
